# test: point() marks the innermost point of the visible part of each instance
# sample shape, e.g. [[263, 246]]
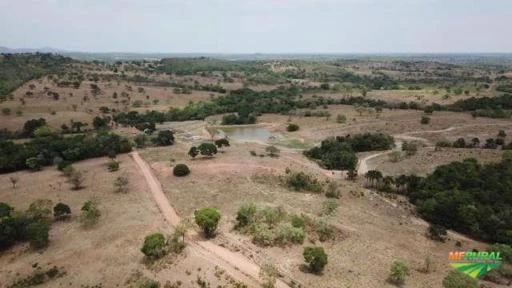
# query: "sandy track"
[[237, 265]]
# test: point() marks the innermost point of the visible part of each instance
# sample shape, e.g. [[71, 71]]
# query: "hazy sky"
[[265, 26]]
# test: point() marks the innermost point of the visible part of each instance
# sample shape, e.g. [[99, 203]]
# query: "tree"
[[61, 211], [154, 246], [292, 127], [399, 270], [316, 258], [374, 177], [425, 120], [182, 228], [245, 215], [272, 151], [193, 152], [40, 210], [207, 149], [208, 219], [33, 163], [43, 131], [164, 138], [112, 165], [222, 142], [99, 123], [181, 170], [76, 179], [121, 184], [90, 214], [456, 279], [5, 210], [14, 180], [37, 234], [437, 232], [352, 174]]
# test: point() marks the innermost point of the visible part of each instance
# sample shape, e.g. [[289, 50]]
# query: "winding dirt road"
[[237, 265]]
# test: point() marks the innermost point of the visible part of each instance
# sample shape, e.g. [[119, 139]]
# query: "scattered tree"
[[437, 232], [14, 180], [272, 151], [164, 138], [181, 170], [90, 214], [76, 179], [61, 211], [222, 142], [292, 127], [208, 219], [121, 184], [207, 149], [154, 246], [37, 233], [113, 165], [193, 152], [316, 258], [425, 120]]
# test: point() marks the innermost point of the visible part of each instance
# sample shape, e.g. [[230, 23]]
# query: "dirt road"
[[237, 265]]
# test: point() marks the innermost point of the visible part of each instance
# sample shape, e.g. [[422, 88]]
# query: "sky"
[[259, 26]]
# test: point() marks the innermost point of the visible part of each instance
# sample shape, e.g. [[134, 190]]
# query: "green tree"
[[154, 246], [61, 211], [399, 270], [207, 149], [208, 219], [90, 214], [193, 152], [272, 151], [456, 279], [37, 234], [222, 142], [181, 170], [316, 258], [245, 215], [292, 127], [164, 138]]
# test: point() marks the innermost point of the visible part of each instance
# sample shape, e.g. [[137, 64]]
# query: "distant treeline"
[[17, 69], [52, 149]]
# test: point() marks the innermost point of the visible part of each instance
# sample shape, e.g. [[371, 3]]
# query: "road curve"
[[237, 265]]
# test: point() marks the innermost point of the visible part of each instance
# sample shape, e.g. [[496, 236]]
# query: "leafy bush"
[[437, 232], [61, 211], [181, 170], [208, 219], [164, 138], [302, 181], [341, 118], [37, 233], [329, 207], [222, 142], [456, 279], [207, 149], [399, 270], [245, 215], [504, 249], [332, 190], [425, 120], [316, 258], [121, 184], [113, 165], [286, 233], [292, 127], [154, 246], [90, 214]]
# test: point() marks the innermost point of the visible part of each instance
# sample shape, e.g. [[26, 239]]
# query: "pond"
[[246, 133]]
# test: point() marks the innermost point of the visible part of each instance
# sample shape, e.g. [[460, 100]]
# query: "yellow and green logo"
[[474, 264]]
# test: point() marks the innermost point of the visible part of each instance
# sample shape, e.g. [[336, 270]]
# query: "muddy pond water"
[[245, 133]]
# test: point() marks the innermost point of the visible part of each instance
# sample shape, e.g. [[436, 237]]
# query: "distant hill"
[[7, 50]]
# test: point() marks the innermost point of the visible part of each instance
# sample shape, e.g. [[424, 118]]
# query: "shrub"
[[272, 151], [208, 219], [456, 279], [341, 118], [437, 232], [410, 148], [332, 190], [399, 270], [207, 149], [5, 210], [76, 178], [302, 181], [222, 142], [164, 138], [90, 214], [6, 111], [40, 210], [323, 229], [33, 163], [121, 184], [37, 233], [263, 235], [286, 233], [253, 153], [292, 127], [298, 221], [181, 170], [504, 249], [149, 283], [329, 207], [425, 120], [61, 211], [193, 152], [245, 215], [154, 245], [443, 143], [316, 258], [113, 165]]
